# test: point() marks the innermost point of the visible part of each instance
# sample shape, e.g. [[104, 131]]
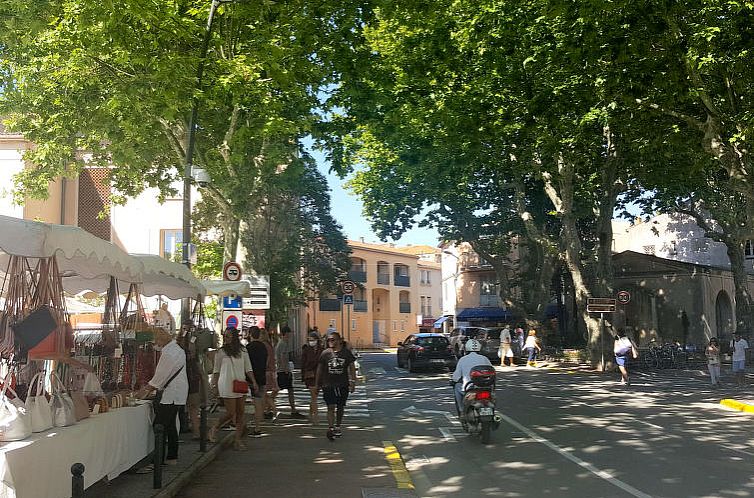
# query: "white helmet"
[[473, 345]]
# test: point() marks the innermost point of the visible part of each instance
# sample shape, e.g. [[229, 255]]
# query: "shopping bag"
[[36, 327], [61, 404], [15, 422], [37, 405]]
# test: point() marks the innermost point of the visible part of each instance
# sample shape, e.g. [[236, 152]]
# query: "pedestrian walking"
[[170, 380], [713, 361], [336, 375], [310, 353], [230, 377], [622, 348], [257, 351], [271, 384], [284, 360], [506, 352], [532, 347], [520, 338], [197, 381], [739, 345]]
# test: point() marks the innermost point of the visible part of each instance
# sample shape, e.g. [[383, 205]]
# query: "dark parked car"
[[488, 336], [425, 351]]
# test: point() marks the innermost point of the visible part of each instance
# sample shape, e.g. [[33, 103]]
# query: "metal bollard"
[[77, 480], [159, 449], [203, 429]]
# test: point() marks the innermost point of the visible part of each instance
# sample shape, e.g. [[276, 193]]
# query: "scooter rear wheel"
[[486, 434]]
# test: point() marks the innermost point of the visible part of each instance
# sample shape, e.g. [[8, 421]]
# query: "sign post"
[[601, 305], [348, 287]]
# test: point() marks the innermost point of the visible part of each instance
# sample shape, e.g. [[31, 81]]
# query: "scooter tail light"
[[483, 395]]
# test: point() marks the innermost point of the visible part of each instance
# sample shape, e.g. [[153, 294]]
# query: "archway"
[[724, 317]]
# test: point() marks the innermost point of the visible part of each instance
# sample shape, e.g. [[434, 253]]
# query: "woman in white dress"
[[230, 377]]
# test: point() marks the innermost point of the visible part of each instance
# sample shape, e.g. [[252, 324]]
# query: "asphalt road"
[[567, 434]]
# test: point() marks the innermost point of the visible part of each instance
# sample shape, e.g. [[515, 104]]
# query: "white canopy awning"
[[226, 287], [85, 261], [163, 277]]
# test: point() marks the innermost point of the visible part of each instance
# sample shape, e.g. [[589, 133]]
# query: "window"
[[429, 306], [353, 324], [170, 244], [424, 277], [487, 286], [403, 325], [749, 250]]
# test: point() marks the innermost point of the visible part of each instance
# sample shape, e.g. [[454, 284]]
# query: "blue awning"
[[438, 323], [483, 315]]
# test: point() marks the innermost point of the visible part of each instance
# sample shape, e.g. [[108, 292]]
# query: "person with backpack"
[[622, 348]]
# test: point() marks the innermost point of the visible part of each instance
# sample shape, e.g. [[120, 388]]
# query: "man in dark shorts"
[[284, 360], [258, 356], [336, 375]]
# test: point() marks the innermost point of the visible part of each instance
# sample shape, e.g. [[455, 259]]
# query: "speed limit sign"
[[348, 287], [624, 297]]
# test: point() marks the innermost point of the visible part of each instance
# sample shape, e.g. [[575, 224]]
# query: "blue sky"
[[349, 212]]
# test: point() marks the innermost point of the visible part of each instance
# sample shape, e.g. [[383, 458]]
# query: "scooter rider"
[[464, 366]]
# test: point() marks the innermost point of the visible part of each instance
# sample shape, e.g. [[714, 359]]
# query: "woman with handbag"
[[230, 378], [310, 353]]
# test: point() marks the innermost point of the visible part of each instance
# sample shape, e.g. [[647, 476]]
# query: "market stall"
[[74, 401]]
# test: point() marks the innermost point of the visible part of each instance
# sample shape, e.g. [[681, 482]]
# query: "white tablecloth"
[[107, 444]]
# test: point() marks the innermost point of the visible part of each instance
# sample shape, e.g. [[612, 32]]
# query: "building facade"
[[387, 303]]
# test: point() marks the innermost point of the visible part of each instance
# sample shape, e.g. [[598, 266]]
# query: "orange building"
[[387, 306]]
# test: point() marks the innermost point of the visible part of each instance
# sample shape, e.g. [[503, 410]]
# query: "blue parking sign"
[[348, 299], [232, 302]]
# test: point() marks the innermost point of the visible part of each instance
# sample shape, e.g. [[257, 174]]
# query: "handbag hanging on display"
[[80, 404], [61, 404], [15, 422], [37, 405]]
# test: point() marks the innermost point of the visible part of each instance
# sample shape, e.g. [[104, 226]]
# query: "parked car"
[[488, 336], [427, 350]]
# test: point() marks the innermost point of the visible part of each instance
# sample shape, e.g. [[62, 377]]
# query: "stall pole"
[[159, 448], [203, 429], [77, 480]]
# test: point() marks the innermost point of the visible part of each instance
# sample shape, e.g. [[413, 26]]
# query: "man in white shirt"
[[506, 353], [170, 377], [463, 368], [739, 347]]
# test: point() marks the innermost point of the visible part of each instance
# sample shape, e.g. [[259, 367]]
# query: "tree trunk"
[[231, 237], [741, 281]]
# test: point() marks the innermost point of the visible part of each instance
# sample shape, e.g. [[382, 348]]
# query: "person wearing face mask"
[[310, 353]]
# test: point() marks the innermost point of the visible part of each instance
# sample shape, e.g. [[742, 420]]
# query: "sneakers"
[[297, 415], [337, 432], [269, 415], [331, 434], [255, 434]]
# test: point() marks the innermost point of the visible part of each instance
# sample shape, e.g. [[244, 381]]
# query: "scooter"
[[477, 415]]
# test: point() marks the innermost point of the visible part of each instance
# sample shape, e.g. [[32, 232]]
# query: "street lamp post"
[[191, 141]]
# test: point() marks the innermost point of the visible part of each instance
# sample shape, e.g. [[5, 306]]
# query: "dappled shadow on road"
[[586, 418]]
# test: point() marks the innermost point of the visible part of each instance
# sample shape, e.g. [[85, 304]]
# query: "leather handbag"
[[37, 405], [36, 327], [15, 422], [80, 403], [61, 404]]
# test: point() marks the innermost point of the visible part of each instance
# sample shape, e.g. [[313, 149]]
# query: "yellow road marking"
[[737, 405], [394, 459]]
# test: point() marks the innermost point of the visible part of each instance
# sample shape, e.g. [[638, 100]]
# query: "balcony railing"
[[383, 278], [329, 305], [359, 305], [403, 281], [404, 307], [357, 276], [490, 300]]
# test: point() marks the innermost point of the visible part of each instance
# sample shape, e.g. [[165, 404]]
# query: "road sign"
[[232, 271], [232, 319], [347, 298], [624, 297], [601, 305], [232, 302], [259, 298], [348, 287]]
